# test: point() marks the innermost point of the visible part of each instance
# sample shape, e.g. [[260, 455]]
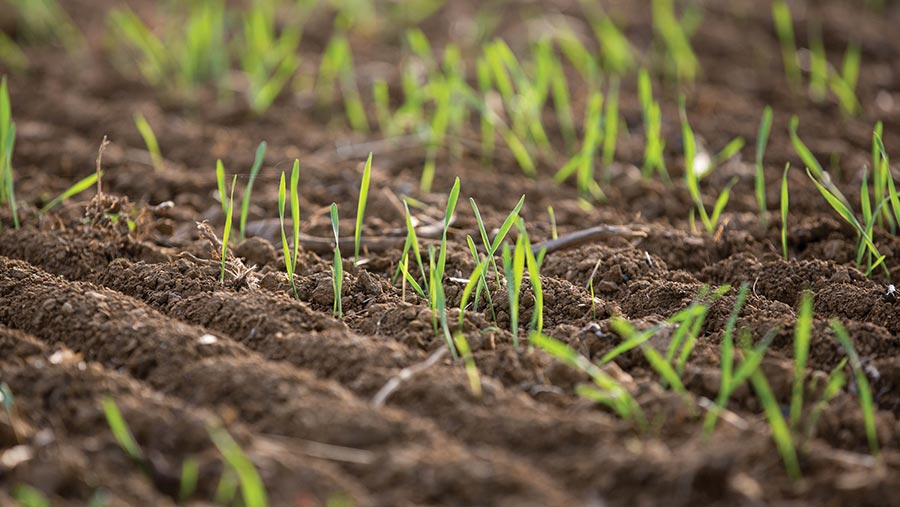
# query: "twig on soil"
[[589, 235], [274, 444], [405, 374], [243, 276], [103, 144]]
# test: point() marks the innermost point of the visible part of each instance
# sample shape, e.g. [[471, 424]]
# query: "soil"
[[90, 310]]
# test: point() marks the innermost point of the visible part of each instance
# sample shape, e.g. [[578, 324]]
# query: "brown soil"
[[95, 311]]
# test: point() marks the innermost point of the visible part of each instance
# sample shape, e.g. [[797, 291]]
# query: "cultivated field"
[[449, 253]]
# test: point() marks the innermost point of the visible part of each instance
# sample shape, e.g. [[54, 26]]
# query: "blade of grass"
[[762, 140], [802, 334], [361, 207], [252, 488], [245, 202], [866, 401]]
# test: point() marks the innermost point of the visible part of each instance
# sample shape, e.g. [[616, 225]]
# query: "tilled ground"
[[88, 312]]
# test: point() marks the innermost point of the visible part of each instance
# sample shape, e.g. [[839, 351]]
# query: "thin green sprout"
[[149, 137], [252, 489], [469, 360], [226, 234], [784, 210], [79, 187], [361, 207], [337, 271], [7, 144], [190, 472], [245, 201], [121, 432], [802, 335], [607, 392], [762, 140], [866, 400], [727, 361], [781, 433], [784, 27]]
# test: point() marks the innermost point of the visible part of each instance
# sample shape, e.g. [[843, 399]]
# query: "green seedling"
[[190, 474], [839, 204], [226, 490], [471, 369], [412, 243], [866, 400], [676, 39], [818, 66], [662, 367], [843, 85], [149, 137], [220, 186], [252, 489], [121, 432], [833, 385], [554, 234], [579, 56], [802, 335], [491, 247], [784, 210], [514, 268], [533, 266], [268, 55], [781, 433], [290, 255], [692, 180], [337, 67], [562, 103], [884, 180], [762, 140], [482, 280], [45, 21], [79, 187], [805, 154], [361, 207], [184, 57], [245, 200], [337, 271], [784, 28], [582, 163], [11, 55], [617, 56], [654, 144], [610, 128], [476, 276], [7, 145], [226, 233], [29, 496], [728, 379], [488, 129], [605, 390], [382, 101]]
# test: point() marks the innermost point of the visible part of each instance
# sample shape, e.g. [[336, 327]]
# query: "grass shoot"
[[337, 270], [784, 210], [245, 201], [150, 141], [802, 335], [784, 28], [762, 139], [252, 489], [606, 390], [79, 187], [7, 144], [226, 233], [361, 208], [866, 401], [290, 255]]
